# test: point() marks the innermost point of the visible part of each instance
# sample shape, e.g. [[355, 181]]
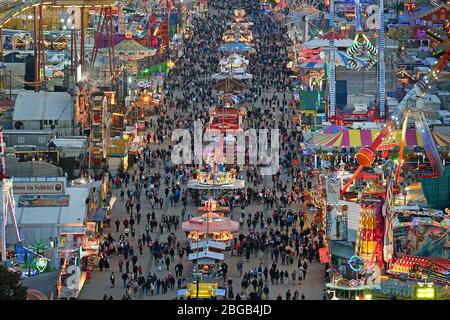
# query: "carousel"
[[214, 206], [211, 226], [233, 61], [130, 52], [216, 175]]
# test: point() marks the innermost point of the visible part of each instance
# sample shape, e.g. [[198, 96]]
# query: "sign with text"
[[38, 187], [44, 201]]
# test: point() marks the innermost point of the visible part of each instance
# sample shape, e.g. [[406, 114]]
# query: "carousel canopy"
[[210, 222], [238, 74], [229, 85], [363, 138], [235, 60], [129, 49]]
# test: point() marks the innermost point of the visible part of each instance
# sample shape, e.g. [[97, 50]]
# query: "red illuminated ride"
[[366, 156], [225, 119]]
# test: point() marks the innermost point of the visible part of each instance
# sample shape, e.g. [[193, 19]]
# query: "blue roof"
[[236, 46], [99, 215]]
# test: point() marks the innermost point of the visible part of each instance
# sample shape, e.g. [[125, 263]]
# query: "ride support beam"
[[42, 45], [35, 44], [82, 53]]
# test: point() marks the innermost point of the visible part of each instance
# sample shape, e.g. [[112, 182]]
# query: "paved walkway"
[[312, 287]]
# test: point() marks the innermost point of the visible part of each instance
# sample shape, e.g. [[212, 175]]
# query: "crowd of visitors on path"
[[276, 236]]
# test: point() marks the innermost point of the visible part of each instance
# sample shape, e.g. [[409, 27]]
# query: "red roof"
[[216, 223], [329, 36]]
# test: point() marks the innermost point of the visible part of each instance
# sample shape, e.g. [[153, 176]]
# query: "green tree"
[[39, 246], [11, 285]]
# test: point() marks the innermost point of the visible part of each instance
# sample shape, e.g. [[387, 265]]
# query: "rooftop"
[[32, 105], [73, 215]]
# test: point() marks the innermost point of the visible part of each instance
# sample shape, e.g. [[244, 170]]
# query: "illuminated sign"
[[41, 264], [425, 291], [356, 263]]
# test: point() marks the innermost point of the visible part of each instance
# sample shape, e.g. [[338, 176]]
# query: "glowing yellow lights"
[[425, 291]]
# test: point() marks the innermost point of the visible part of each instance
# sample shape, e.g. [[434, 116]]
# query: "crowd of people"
[[278, 237]]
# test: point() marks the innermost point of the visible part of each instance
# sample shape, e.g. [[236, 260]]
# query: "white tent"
[[41, 223]]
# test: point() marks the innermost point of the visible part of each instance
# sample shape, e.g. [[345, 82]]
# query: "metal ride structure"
[[7, 201], [12, 9], [362, 54], [331, 111], [381, 65], [305, 16], [164, 29], [410, 105], [361, 47], [104, 26]]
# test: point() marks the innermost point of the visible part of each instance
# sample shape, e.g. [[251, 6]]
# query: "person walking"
[[88, 276], [117, 225], [167, 262], [288, 295], [120, 264], [112, 278], [125, 279]]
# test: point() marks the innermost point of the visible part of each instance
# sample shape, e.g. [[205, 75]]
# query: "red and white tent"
[[216, 223]]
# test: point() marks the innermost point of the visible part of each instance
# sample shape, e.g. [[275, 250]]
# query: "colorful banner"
[[364, 137], [43, 201]]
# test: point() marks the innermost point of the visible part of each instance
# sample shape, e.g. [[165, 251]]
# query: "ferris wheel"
[[299, 5], [306, 19]]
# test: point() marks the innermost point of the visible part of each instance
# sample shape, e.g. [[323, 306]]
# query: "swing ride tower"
[[7, 201]]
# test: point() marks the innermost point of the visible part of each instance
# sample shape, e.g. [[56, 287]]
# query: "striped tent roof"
[[362, 138]]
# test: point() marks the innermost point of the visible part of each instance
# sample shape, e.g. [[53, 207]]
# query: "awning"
[[363, 138], [99, 215], [341, 250], [312, 65]]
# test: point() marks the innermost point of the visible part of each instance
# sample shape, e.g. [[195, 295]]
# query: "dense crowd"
[[277, 233]]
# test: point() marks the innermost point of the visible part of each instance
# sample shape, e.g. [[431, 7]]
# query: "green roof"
[[308, 100]]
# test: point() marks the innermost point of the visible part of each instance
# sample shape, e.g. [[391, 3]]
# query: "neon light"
[[356, 263], [41, 264]]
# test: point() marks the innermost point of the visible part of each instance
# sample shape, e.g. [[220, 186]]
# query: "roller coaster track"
[[12, 8]]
